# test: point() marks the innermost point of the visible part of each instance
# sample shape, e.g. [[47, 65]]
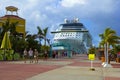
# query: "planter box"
[[103, 59], [118, 60]]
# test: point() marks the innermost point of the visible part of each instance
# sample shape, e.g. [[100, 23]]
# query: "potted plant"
[[118, 57]]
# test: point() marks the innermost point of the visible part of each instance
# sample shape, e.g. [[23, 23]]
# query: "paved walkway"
[[76, 68]]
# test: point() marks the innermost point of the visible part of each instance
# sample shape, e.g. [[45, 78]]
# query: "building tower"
[[12, 15]]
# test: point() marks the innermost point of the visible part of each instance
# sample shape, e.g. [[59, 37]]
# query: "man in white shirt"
[[30, 52]]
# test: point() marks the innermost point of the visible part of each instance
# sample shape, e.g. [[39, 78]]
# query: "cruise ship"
[[71, 37]]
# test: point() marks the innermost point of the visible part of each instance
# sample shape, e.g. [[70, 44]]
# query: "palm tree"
[[45, 31], [40, 33], [9, 26], [5, 27], [43, 34], [31, 41], [12, 30], [39, 30], [108, 38]]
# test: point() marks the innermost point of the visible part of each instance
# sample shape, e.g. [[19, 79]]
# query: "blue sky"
[[96, 15]]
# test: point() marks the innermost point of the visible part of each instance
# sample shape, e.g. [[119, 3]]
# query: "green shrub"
[[11, 51], [16, 56], [1, 57], [1, 51], [9, 57], [91, 51]]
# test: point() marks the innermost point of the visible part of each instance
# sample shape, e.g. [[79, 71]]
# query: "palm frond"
[[39, 30]]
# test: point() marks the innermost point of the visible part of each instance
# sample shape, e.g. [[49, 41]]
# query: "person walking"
[[36, 55], [30, 52], [25, 55]]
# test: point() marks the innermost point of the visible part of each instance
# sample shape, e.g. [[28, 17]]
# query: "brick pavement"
[[20, 71]]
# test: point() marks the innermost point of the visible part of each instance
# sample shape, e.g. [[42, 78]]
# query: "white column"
[[107, 52], [106, 56]]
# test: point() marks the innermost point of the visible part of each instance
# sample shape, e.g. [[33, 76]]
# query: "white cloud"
[[49, 13], [72, 3]]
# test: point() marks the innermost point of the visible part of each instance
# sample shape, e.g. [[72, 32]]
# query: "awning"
[[59, 48]]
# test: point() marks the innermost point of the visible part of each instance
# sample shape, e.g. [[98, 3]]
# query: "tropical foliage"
[[16, 56], [1, 57], [91, 50], [42, 34], [116, 49], [19, 43], [109, 36]]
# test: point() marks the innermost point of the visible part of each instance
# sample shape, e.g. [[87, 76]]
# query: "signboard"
[[91, 56]]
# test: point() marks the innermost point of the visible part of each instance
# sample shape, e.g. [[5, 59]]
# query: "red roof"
[[11, 16]]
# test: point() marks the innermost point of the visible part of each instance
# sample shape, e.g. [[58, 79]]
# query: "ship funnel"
[[66, 21], [76, 20]]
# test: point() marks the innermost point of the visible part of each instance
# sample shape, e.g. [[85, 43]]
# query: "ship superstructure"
[[71, 36]]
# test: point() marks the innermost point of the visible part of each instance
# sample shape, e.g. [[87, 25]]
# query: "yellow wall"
[[20, 28]]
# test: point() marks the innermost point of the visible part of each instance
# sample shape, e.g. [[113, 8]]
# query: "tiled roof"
[[11, 16]]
